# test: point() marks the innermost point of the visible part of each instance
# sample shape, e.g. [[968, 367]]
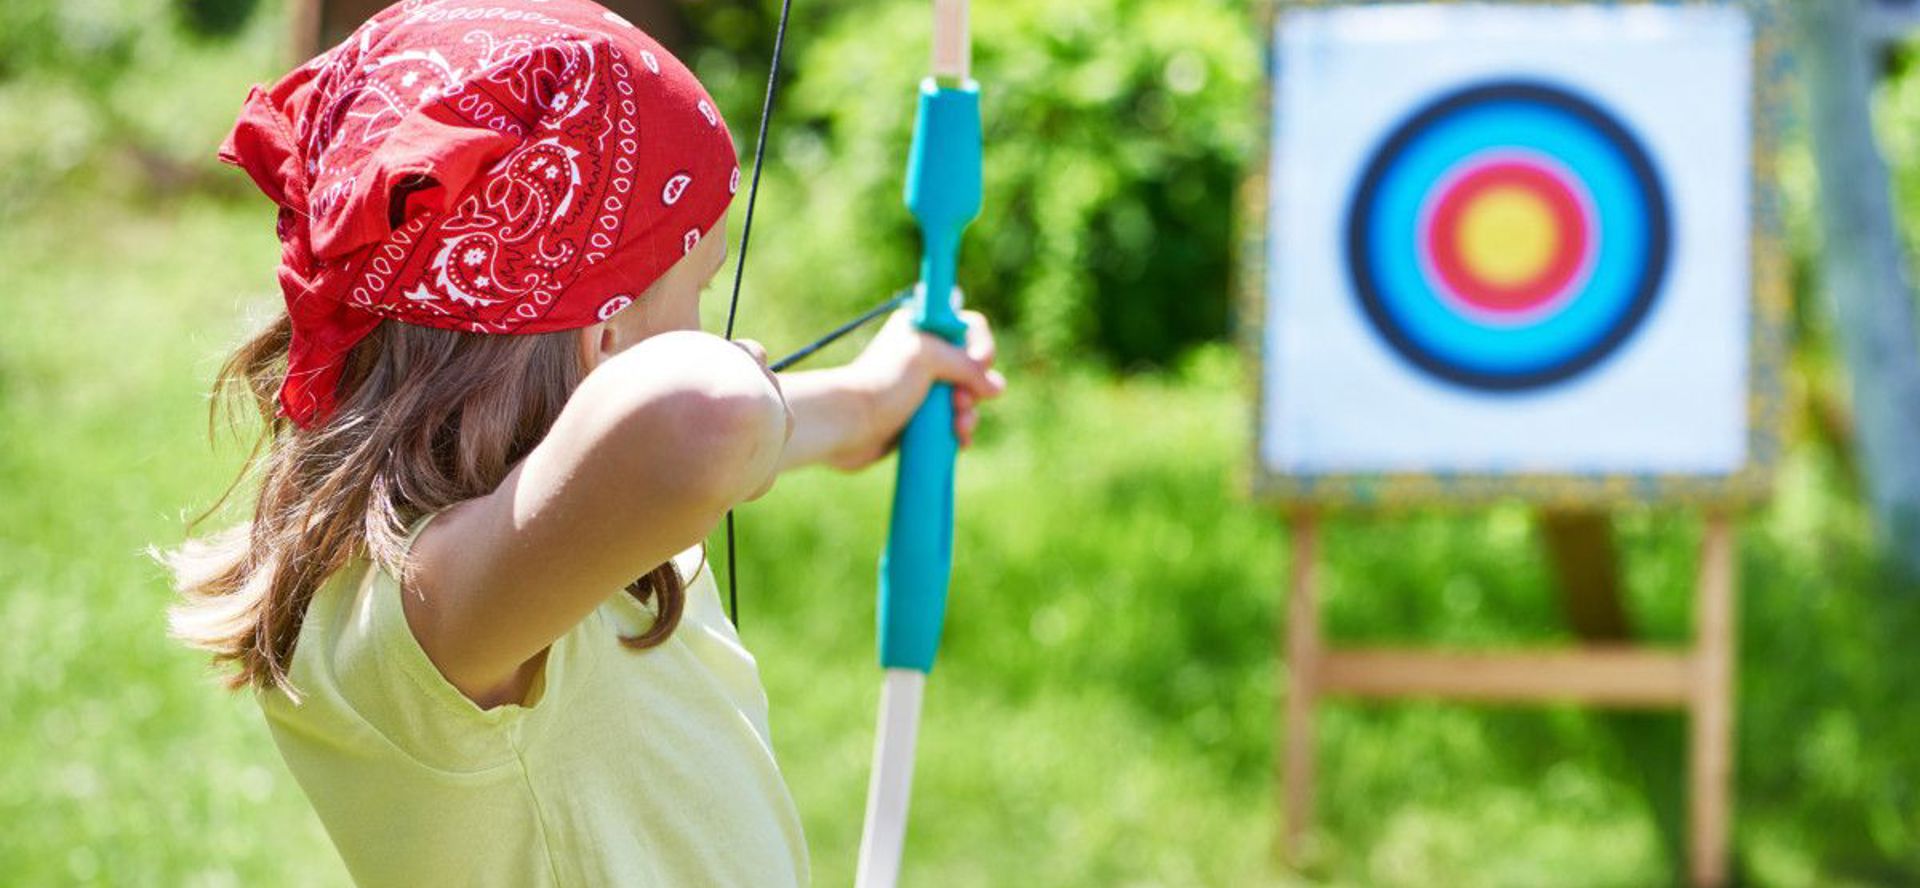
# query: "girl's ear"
[[597, 343]]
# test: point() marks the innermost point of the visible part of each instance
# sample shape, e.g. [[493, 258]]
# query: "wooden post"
[[1710, 801], [1302, 687], [1586, 567], [1864, 270], [303, 29]]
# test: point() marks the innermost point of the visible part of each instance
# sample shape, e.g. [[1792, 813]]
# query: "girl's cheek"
[[686, 309]]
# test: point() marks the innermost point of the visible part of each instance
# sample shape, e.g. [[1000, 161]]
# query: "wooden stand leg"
[[1303, 669], [303, 29], [1711, 744]]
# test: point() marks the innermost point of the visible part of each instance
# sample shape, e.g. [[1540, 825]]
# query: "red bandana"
[[506, 166]]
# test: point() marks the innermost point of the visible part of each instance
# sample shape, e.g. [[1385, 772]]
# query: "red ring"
[[1569, 216]]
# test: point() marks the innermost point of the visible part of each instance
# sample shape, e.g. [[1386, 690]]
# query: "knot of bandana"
[[494, 167]]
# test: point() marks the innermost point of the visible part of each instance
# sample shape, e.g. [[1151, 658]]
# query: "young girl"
[[489, 410]]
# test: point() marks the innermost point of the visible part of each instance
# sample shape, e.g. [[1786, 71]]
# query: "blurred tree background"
[[1104, 709], [1116, 133], [1111, 163]]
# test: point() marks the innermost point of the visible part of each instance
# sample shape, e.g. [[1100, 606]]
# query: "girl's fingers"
[[964, 423], [966, 415], [952, 365], [980, 344]]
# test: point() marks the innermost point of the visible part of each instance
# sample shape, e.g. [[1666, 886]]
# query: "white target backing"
[[1511, 249]]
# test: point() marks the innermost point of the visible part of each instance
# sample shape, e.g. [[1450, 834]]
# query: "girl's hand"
[[898, 368]]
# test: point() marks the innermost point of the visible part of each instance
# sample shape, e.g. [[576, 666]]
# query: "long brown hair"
[[427, 418]]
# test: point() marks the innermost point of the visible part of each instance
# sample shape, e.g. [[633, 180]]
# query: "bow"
[[943, 194]]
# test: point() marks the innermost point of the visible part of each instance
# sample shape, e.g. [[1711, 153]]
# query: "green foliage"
[[1117, 132], [111, 93], [214, 18], [89, 41]]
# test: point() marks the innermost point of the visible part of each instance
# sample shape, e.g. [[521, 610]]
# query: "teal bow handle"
[[943, 193]]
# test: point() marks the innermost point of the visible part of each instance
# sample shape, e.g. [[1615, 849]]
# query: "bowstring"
[[740, 262], [866, 317]]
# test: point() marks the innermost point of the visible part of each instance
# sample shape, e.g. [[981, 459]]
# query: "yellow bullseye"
[[1507, 236]]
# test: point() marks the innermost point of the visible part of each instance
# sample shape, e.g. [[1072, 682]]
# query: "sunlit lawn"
[[1103, 710]]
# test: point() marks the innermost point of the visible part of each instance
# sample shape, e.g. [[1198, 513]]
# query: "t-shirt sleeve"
[[370, 660]]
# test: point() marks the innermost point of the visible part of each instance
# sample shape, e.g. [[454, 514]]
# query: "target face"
[[1508, 236], [1511, 247]]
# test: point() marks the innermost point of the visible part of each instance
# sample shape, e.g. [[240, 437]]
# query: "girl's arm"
[[848, 417], [652, 449]]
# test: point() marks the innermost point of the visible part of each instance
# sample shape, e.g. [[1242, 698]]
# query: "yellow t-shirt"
[[623, 768]]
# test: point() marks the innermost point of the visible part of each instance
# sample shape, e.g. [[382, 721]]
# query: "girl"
[[489, 409]]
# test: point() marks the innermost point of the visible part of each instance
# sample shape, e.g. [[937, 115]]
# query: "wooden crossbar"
[[1601, 676]]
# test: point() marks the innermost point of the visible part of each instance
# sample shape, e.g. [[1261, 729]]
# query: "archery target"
[[1508, 240], [1508, 236]]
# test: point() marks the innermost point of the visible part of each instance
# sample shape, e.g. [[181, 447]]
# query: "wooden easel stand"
[[1699, 681]]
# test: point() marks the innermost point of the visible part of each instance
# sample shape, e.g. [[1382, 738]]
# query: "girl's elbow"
[[734, 444], [709, 449], [700, 417]]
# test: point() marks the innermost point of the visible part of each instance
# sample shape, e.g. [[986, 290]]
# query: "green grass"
[[1103, 711]]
